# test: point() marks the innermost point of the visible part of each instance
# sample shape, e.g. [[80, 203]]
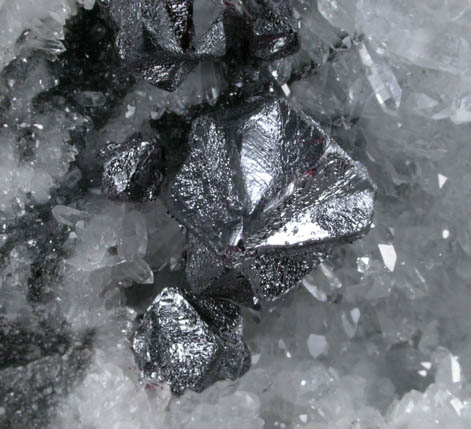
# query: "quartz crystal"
[[377, 337], [268, 193], [190, 342], [44, 19], [402, 35]]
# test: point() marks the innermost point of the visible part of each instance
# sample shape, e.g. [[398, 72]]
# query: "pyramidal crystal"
[[162, 41], [268, 193], [190, 342], [131, 170]]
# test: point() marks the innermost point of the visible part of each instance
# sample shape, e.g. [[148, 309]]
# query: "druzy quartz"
[[377, 336], [190, 342], [267, 193]]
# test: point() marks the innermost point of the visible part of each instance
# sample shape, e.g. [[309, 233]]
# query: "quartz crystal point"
[[190, 342], [274, 29], [163, 40], [267, 193], [131, 170]]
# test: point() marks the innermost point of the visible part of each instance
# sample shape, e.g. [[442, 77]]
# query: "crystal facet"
[[158, 39], [131, 170], [190, 342], [274, 29], [269, 193]]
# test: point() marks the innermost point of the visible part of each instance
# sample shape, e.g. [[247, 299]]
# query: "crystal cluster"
[[264, 190], [163, 40], [131, 170], [279, 193], [113, 272]]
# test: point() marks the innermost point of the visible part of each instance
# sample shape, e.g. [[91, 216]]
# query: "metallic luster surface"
[[274, 29], [190, 342], [130, 170], [160, 40], [204, 268], [268, 193]]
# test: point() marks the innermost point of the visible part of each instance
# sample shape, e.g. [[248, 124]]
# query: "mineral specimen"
[[37, 365], [268, 193], [163, 40], [131, 170], [379, 334], [274, 29], [190, 342], [203, 267]]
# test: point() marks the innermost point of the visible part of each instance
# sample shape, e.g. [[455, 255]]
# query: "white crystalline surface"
[[425, 46], [41, 23], [43, 20], [111, 244], [379, 336]]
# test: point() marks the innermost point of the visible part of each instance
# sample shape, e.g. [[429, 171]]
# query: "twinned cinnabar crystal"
[[190, 342], [266, 193]]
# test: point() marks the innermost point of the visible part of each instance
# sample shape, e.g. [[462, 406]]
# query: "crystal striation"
[[131, 170], [190, 342], [163, 40], [378, 337], [268, 193]]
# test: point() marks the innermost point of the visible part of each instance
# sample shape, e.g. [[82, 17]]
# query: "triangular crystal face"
[[269, 192], [190, 343]]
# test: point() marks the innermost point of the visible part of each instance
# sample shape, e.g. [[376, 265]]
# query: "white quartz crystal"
[[112, 246], [432, 36], [42, 19], [378, 337]]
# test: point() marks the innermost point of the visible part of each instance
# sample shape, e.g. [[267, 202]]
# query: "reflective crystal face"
[[190, 343], [163, 40], [131, 170], [269, 193]]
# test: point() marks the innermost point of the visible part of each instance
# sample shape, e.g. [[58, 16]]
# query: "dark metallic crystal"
[[267, 193], [274, 29], [205, 268], [131, 170], [190, 342], [163, 40]]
